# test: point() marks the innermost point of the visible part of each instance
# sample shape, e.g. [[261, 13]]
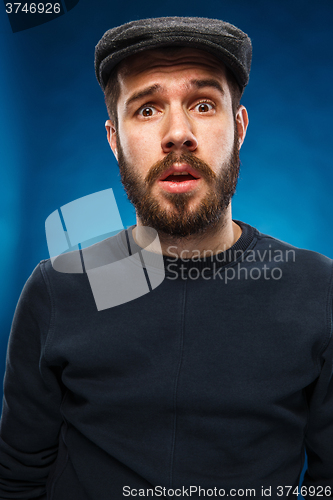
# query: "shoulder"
[[300, 256], [66, 278], [305, 272]]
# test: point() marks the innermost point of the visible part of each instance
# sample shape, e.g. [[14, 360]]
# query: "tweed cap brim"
[[226, 42]]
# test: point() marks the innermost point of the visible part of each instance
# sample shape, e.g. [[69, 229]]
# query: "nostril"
[[170, 144], [188, 143]]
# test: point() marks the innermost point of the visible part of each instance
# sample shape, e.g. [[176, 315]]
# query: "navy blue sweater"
[[220, 378]]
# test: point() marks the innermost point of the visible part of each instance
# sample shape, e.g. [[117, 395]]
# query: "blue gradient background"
[[53, 141]]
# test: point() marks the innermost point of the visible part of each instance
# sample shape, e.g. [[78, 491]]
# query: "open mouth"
[[179, 179]]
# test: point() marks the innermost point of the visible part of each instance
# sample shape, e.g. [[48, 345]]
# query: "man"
[[217, 381]]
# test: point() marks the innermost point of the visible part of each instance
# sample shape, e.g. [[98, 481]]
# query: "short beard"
[[181, 222]]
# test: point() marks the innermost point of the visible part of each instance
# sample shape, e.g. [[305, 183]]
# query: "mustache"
[[161, 166]]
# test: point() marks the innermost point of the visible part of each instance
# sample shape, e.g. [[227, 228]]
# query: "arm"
[[319, 432], [31, 418]]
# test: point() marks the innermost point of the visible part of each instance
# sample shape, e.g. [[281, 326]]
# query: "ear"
[[112, 137], [242, 121]]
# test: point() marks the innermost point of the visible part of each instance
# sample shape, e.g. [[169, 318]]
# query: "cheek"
[[218, 144], [139, 146]]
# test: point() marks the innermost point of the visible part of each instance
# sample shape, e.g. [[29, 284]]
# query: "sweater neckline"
[[221, 259]]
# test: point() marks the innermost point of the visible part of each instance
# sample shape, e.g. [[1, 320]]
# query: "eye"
[[204, 107], [147, 111]]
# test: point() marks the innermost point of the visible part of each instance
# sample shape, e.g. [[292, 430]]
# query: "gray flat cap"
[[223, 40]]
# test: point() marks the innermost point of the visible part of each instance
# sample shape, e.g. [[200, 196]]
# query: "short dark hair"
[[111, 96], [112, 91]]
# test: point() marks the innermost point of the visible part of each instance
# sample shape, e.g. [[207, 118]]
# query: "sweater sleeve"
[[31, 420], [319, 432]]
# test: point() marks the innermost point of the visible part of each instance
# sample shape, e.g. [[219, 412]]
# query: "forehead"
[[170, 59]]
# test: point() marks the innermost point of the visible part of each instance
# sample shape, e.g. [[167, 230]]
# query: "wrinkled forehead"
[[165, 57]]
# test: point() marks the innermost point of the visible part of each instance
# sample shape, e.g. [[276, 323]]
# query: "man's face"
[[177, 140]]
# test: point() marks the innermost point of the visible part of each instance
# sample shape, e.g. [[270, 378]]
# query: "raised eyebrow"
[[211, 82], [153, 89], [143, 93]]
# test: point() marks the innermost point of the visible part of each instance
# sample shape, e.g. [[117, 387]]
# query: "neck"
[[219, 239]]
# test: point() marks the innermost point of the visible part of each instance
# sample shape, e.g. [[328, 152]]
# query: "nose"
[[179, 135]]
